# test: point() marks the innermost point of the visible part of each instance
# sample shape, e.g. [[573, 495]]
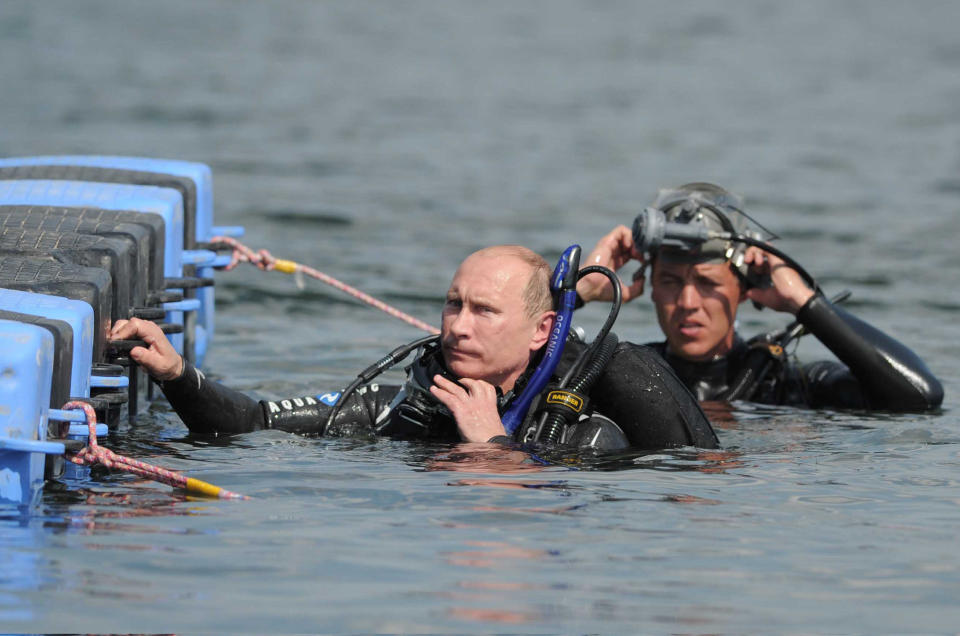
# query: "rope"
[[93, 453], [265, 261]]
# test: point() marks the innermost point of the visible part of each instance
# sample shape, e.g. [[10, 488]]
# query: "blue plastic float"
[[197, 203], [25, 380], [110, 196], [47, 342]]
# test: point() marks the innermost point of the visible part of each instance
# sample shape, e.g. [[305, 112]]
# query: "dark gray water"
[[381, 142]]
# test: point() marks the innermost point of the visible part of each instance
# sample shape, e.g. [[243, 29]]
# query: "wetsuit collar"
[[710, 379]]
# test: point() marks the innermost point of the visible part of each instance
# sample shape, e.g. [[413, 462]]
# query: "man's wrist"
[[181, 369], [801, 300]]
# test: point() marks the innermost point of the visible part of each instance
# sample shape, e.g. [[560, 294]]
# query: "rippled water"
[[381, 142]]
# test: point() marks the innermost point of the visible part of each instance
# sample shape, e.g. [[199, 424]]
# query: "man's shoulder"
[[646, 349], [633, 361]]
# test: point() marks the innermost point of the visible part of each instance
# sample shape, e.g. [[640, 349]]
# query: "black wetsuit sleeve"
[[307, 415], [640, 392], [880, 372], [209, 408]]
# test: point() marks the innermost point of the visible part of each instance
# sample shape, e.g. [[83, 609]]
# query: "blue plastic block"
[[109, 196], [76, 313], [199, 173], [26, 368], [202, 178], [112, 196]]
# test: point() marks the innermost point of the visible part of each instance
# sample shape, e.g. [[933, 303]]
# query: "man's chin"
[[463, 368], [692, 350]]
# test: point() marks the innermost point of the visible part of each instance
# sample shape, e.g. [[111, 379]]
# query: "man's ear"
[[544, 325]]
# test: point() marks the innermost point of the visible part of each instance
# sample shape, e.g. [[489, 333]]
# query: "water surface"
[[380, 143]]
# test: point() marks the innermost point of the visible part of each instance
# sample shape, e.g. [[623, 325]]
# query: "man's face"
[[696, 306], [485, 333]]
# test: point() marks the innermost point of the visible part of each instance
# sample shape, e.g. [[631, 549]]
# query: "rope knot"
[[265, 260]]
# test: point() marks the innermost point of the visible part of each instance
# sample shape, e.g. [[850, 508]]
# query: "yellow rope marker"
[[202, 487], [287, 267]]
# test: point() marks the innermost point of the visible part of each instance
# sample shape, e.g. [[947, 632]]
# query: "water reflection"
[[483, 458], [486, 459], [486, 556], [89, 511]]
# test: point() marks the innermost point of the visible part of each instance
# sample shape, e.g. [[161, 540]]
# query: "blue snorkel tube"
[[564, 286]]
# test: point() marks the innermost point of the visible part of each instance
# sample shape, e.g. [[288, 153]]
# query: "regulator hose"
[[373, 371], [564, 286], [553, 422], [615, 305], [567, 399]]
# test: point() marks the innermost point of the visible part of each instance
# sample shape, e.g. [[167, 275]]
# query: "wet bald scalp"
[[536, 293]]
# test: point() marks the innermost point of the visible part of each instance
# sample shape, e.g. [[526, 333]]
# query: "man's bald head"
[[536, 293]]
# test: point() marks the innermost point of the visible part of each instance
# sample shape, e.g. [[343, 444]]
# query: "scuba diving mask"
[[716, 210]]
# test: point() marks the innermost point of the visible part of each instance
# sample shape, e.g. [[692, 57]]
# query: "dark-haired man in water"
[[696, 293]]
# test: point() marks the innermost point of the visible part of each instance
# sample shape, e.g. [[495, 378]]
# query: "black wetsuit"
[[875, 371], [637, 391]]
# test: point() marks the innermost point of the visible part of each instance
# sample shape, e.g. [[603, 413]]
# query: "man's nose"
[[461, 323], [689, 297]]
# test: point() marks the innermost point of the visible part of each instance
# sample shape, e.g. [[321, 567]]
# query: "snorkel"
[[564, 286]]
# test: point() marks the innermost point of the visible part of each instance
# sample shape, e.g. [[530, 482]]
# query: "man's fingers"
[[118, 326], [470, 384], [448, 385], [132, 329], [159, 357], [144, 357], [480, 389], [123, 329], [633, 290], [445, 389], [156, 364], [153, 339], [447, 397]]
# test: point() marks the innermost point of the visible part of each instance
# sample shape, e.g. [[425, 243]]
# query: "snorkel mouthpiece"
[[564, 286]]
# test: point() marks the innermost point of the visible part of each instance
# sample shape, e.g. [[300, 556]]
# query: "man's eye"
[[454, 303]]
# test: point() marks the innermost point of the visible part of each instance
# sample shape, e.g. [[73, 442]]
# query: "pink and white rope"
[[93, 453], [265, 261]]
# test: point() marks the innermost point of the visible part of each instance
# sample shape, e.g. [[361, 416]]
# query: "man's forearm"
[[891, 375], [207, 407]]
